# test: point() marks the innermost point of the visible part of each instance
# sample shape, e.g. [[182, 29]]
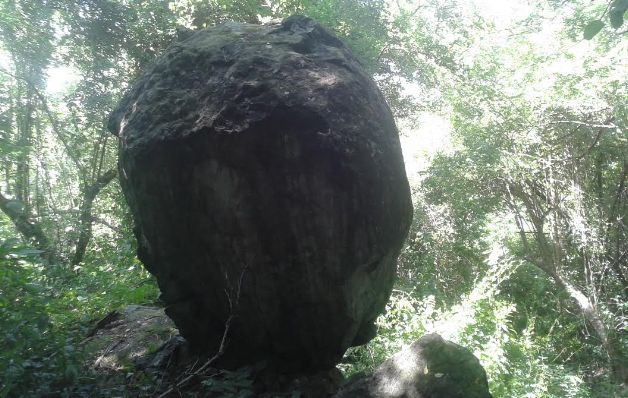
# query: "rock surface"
[[429, 368], [264, 173], [128, 337]]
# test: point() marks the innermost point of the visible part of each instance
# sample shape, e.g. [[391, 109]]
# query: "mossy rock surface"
[[129, 337]]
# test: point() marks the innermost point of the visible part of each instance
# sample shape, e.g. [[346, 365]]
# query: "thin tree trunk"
[[25, 133], [616, 253], [85, 217]]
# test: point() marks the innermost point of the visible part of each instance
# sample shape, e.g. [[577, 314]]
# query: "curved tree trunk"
[[617, 362], [32, 231]]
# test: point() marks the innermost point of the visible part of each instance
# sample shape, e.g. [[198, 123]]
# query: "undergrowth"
[[516, 362], [47, 310]]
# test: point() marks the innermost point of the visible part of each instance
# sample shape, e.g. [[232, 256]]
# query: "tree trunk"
[[548, 257], [85, 217], [25, 133], [550, 261], [618, 363], [32, 231]]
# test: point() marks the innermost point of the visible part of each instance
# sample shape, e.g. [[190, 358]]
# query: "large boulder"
[[429, 368], [264, 172]]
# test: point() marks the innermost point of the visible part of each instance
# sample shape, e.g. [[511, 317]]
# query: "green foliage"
[[516, 361], [539, 163], [616, 12], [32, 351], [529, 203], [46, 313], [613, 11], [592, 29]]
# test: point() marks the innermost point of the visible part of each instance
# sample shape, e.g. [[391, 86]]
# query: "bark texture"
[[265, 151]]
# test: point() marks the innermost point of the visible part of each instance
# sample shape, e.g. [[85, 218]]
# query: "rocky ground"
[[138, 352]]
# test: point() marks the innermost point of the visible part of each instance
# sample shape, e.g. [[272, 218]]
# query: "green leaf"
[[616, 13], [619, 6], [592, 29], [617, 20]]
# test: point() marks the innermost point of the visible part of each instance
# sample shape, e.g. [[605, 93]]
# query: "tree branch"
[[579, 123], [85, 217], [223, 341]]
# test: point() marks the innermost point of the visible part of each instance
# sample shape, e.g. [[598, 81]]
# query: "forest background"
[[514, 128]]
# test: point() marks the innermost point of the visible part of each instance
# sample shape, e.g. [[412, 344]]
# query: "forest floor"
[[137, 352], [128, 351]]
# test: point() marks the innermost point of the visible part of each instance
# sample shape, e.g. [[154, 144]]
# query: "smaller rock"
[[131, 336], [429, 368]]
